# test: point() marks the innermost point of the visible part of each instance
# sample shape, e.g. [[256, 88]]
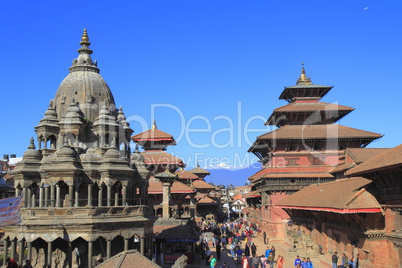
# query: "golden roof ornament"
[[154, 125], [303, 79], [85, 39]]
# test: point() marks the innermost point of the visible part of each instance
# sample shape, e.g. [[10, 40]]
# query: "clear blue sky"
[[202, 60]]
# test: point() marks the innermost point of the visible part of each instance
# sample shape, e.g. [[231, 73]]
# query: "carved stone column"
[[71, 195], [124, 201], [29, 197], [100, 196], [46, 203], [76, 196], [22, 250], [90, 196], [126, 240], [5, 248], [58, 196], [13, 248], [90, 253], [116, 199], [29, 253], [108, 249], [41, 196], [24, 197], [109, 196], [49, 255], [17, 192], [52, 196]]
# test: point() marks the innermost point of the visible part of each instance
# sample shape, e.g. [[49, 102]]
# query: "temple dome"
[[84, 86]]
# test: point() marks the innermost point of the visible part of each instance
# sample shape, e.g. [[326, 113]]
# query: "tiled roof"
[[200, 184], [128, 259], [206, 200], [341, 196], [155, 187], [341, 167], [317, 132], [160, 157], [200, 171], [175, 232], [387, 160], [360, 155], [252, 194], [293, 172], [185, 175], [152, 134], [313, 106]]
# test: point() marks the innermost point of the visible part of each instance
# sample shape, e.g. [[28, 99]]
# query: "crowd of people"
[[237, 238], [353, 262]]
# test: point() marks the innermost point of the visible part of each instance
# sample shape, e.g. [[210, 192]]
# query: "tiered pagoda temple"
[[302, 151], [78, 188], [155, 142]]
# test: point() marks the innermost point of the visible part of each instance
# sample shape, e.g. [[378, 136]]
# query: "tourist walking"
[[273, 250], [280, 261], [335, 260], [271, 260], [345, 261], [253, 249], [297, 261], [239, 253], [267, 252], [212, 261], [255, 261], [264, 235], [263, 260], [309, 263], [244, 262]]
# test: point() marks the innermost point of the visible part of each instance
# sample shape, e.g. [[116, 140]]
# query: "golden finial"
[[303, 79], [154, 125], [85, 38]]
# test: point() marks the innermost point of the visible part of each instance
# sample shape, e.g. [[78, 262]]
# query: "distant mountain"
[[237, 177]]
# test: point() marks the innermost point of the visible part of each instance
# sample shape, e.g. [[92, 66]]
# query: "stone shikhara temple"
[[82, 195]]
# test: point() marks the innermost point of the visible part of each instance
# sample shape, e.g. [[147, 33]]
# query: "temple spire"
[[303, 79], [154, 125]]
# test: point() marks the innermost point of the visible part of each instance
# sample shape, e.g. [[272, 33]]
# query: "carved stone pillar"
[[24, 197], [17, 192], [76, 196], [71, 195], [90, 196], [108, 249], [90, 253], [124, 201], [109, 196], [116, 199], [33, 200], [29, 253], [126, 244], [100, 196], [58, 196], [22, 250], [13, 248], [69, 256], [29, 197], [5, 248], [52, 196], [49, 255], [46, 203], [41, 196]]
